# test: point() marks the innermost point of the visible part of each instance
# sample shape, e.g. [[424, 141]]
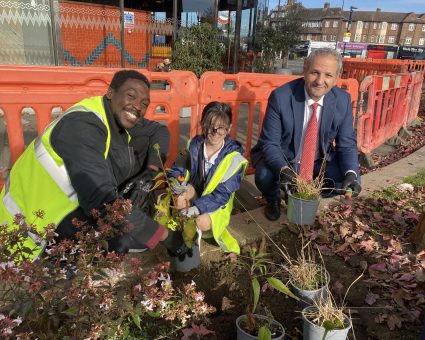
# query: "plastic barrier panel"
[[414, 96], [247, 94], [44, 88], [382, 111], [361, 68]]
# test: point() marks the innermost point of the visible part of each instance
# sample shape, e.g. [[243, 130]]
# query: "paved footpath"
[[244, 226]]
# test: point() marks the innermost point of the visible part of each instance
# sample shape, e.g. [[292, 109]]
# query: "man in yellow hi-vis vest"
[[84, 159]]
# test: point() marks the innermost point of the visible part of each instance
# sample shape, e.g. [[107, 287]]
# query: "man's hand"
[[190, 212], [350, 182], [287, 179], [175, 245], [142, 186]]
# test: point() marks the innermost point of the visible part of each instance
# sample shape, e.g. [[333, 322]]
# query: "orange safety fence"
[[414, 95], [361, 68], [251, 90], [46, 88], [383, 108]]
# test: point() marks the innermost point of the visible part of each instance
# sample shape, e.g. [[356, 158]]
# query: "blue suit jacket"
[[282, 129]]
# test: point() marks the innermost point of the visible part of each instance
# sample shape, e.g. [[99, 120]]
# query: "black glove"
[[175, 245], [287, 180], [138, 189], [120, 244], [350, 182]]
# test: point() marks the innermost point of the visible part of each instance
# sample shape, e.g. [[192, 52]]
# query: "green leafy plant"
[[167, 213], [197, 49], [77, 289], [256, 264]]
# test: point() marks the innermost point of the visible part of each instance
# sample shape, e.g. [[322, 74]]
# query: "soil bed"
[[371, 236]]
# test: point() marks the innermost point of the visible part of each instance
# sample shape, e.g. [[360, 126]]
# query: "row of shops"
[[362, 50]]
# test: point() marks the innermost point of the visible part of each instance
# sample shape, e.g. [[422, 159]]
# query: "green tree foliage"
[[197, 49], [279, 37]]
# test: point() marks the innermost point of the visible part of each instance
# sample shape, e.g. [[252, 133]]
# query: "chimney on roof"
[[378, 9], [327, 5]]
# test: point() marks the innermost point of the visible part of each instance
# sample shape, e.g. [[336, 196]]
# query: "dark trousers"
[[267, 180]]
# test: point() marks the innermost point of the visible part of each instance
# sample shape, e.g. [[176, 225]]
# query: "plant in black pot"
[[252, 325]]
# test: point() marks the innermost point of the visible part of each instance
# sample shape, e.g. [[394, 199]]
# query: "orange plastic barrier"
[[383, 108], [414, 94], [253, 90], [361, 68], [44, 88]]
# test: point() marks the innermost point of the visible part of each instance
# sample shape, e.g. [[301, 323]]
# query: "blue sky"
[[405, 6]]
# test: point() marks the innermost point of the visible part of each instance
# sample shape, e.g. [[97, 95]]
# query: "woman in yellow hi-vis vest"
[[213, 169], [84, 160]]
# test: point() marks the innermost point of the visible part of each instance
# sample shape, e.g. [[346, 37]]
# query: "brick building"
[[368, 27]]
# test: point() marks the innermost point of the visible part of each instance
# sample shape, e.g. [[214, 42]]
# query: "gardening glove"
[[176, 246], [179, 188], [124, 244], [287, 180], [138, 189], [351, 183], [190, 212]]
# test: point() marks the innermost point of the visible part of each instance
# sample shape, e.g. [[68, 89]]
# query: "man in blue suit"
[[277, 155]]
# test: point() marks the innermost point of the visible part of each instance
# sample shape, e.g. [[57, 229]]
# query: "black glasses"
[[221, 130]]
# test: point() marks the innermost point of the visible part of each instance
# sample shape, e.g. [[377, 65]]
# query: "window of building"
[[423, 28], [384, 25], [375, 25], [327, 23], [333, 37], [366, 25], [324, 37], [408, 41], [308, 36], [381, 39], [359, 24], [335, 24], [394, 27], [411, 27], [421, 41], [380, 25], [364, 38], [346, 24], [372, 38], [391, 39], [357, 37]]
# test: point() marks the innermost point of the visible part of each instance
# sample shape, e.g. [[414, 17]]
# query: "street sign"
[[346, 39]]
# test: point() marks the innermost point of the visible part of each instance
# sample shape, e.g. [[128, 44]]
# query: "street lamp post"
[[352, 8]]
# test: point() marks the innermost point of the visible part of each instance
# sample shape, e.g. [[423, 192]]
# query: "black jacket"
[[79, 139]]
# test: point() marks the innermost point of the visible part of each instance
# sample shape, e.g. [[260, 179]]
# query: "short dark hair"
[[121, 76], [215, 110]]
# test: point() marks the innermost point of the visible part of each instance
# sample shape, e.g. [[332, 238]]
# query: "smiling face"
[[217, 132], [320, 76], [129, 102]]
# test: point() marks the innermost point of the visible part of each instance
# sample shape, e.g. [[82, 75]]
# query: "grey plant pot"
[[302, 212], [308, 296], [314, 332], [188, 263], [242, 335]]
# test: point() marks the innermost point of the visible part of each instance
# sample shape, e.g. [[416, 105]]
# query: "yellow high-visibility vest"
[[39, 180]]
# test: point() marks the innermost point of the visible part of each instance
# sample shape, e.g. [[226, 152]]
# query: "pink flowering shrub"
[[77, 289]]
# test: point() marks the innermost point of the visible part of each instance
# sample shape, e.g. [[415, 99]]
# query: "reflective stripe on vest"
[[58, 195], [220, 218], [14, 210]]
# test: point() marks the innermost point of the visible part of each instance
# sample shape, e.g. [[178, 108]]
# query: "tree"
[[277, 36], [197, 49], [290, 26]]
